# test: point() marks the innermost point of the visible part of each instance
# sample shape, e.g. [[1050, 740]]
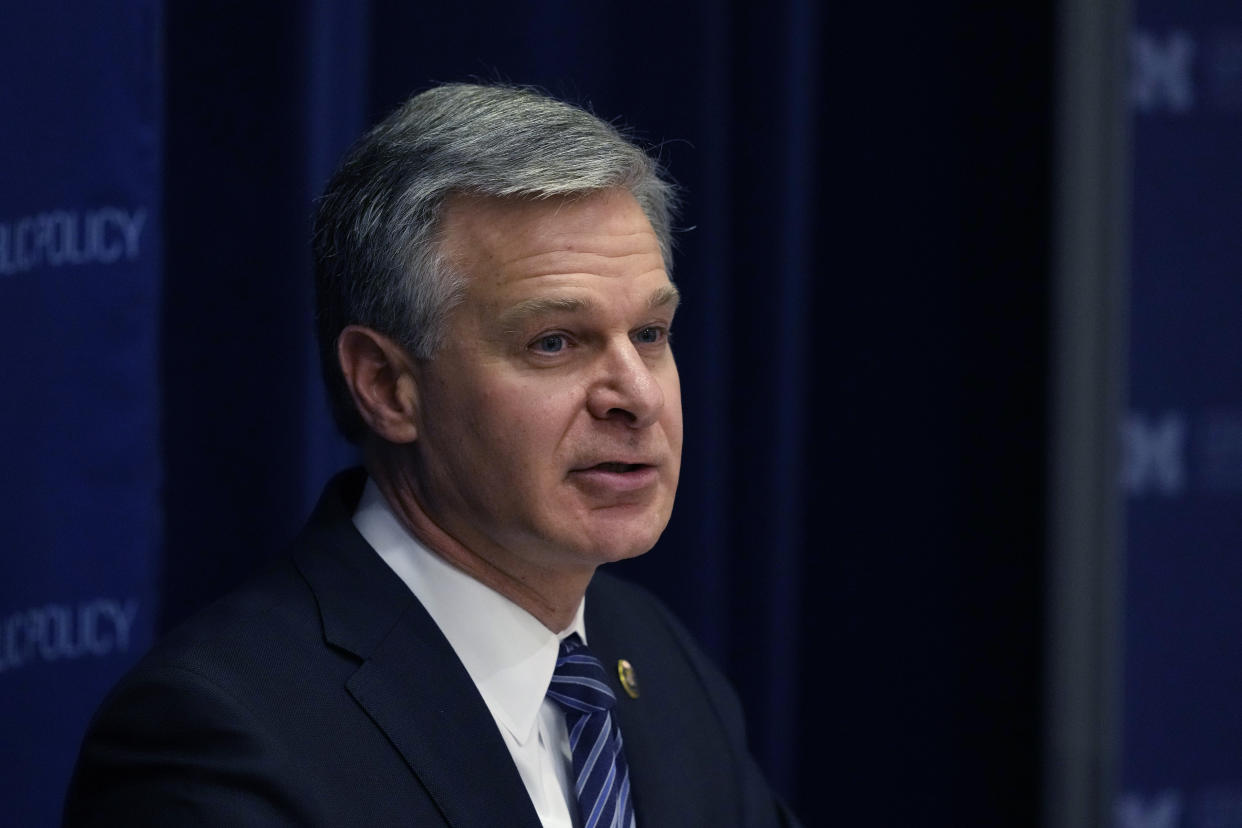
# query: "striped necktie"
[[601, 778]]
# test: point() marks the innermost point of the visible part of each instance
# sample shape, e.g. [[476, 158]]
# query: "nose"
[[626, 389]]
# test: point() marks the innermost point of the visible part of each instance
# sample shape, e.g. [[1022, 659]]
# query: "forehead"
[[496, 241]]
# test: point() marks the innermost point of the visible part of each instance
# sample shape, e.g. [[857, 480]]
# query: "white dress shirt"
[[509, 654]]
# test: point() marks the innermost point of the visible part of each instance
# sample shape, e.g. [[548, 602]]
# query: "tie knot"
[[579, 683]]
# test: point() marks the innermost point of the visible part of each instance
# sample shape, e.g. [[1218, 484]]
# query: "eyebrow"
[[668, 296], [512, 318], [664, 297]]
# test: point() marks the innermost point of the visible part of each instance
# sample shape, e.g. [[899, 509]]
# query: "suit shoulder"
[[262, 636], [275, 601]]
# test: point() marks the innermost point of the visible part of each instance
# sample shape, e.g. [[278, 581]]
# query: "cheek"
[[672, 409], [526, 419]]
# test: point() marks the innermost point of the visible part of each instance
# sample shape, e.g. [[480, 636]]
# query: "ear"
[[379, 375]]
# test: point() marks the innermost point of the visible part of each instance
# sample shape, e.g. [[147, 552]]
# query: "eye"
[[651, 335], [549, 344]]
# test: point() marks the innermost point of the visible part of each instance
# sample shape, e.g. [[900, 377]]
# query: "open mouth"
[[619, 468], [616, 479]]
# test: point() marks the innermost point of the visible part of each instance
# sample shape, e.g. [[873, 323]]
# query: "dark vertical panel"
[[1003, 161], [1083, 571], [885, 532], [244, 446], [926, 460]]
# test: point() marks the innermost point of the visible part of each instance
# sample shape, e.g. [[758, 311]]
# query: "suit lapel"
[[411, 683], [417, 692]]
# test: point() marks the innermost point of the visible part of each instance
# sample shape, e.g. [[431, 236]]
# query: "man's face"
[[549, 421]]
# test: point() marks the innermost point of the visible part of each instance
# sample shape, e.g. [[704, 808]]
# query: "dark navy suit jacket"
[[321, 693]]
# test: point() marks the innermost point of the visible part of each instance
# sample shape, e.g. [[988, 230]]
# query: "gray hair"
[[377, 231]]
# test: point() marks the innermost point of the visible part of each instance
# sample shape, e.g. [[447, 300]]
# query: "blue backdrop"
[[80, 234], [859, 535], [1182, 719]]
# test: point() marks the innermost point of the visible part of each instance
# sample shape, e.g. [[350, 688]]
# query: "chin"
[[624, 553], [618, 543]]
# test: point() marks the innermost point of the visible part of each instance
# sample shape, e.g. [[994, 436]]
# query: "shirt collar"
[[509, 654]]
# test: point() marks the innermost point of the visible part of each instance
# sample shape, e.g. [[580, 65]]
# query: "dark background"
[[863, 347]]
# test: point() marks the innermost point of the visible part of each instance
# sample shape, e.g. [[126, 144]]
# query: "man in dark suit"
[[494, 308]]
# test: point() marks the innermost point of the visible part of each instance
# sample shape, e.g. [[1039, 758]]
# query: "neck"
[[551, 596]]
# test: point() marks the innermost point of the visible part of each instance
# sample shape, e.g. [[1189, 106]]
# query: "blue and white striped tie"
[[601, 778]]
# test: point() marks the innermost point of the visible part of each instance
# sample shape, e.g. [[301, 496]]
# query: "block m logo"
[[1161, 74], [1163, 811], [1153, 454]]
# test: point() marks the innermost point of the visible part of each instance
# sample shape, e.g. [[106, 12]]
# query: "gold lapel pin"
[[629, 681]]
